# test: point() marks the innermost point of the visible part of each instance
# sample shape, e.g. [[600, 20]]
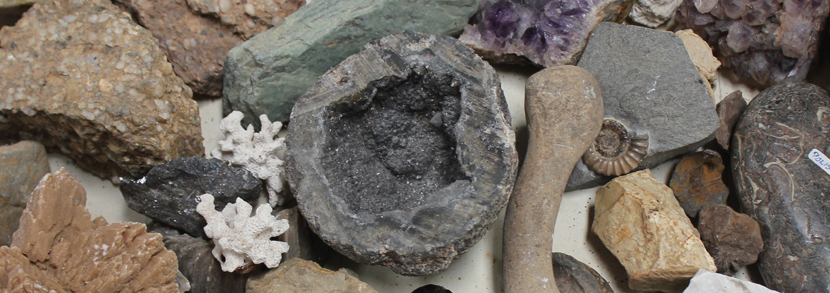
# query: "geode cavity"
[[403, 154]]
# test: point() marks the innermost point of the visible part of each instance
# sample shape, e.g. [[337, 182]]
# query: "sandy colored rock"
[[302, 276], [643, 225], [81, 78], [700, 52], [79, 254], [250, 17], [697, 180], [21, 167]]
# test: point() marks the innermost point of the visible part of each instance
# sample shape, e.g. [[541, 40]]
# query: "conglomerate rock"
[[80, 77], [247, 17], [21, 167]]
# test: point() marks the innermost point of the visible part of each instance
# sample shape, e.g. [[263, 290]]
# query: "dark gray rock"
[[431, 289], [648, 83], [403, 154], [731, 238], [782, 188], [21, 167], [573, 276], [302, 241], [170, 192]]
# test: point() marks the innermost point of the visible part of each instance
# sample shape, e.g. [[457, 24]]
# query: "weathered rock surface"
[[403, 154], [729, 111], [303, 276], [197, 263], [697, 180], [81, 78], [250, 17], [770, 42], [782, 188], [547, 33], [266, 74], [170, 192], [640, 221], [195, 45], [67, 251], [700, 52], [573, 276], [21, 167], [653, 13], [732, 239], [650, 84], [302, 241], [708, 282]]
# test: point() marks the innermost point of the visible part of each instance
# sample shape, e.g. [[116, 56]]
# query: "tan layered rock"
[[303, 276], [700, 52], [641, 222], [250, 17]]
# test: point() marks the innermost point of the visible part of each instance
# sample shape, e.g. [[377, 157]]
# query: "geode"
[[768, 41], [547, 32], [403, 155]]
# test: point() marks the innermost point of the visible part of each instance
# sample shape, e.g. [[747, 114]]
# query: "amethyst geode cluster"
[[547, 32], [769, 41]]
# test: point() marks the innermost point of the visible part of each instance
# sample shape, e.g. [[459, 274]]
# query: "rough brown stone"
[[697, 180], [21, 167], [732, 239], [250, 17], [643, 225], [196, 45], [729, 111], [81, 78], [302, 276], [75, 253], [303, 243]]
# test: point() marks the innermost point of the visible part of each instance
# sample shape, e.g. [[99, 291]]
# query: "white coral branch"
[[241, 238], [256, 152]]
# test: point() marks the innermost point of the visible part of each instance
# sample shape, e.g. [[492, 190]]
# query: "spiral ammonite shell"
[[616, 151]]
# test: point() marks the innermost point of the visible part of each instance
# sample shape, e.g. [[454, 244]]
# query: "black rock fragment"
[[431, 289]]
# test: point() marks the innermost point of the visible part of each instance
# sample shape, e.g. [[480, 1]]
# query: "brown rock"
[[196, 45], [250, 17], [21, 167], [697, 180], [81, 78], [643, 225], [733, 239], [80, 254], [301, 276], [729, 111], [303, 243]]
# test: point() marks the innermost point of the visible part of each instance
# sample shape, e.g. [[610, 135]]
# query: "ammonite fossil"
[[616, 151]]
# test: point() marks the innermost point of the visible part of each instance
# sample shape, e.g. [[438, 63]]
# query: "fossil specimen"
[[617, 150]]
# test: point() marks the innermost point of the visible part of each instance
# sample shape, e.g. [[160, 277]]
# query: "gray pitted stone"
[[782, 188], [648, 83], [170, 192], [266, 74], [573, 276], [21, 167], [403, 154]]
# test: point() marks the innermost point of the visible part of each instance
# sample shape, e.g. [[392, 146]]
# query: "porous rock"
[[643, 225], [574, 276], [547, 33], [302, 241], [21, 167], [403, 154], [170, 192], [769, 42], [782, 188], [197, 263], [732, 239], [653, 13], [729, 111], [81, 78], [650, 84], [67, 251], [195, 45], [266, 74], [708, 282], [247, 17], [303, 276], [700, 52], [697, 180]]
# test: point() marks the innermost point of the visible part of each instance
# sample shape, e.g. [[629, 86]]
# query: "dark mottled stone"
[[731, 238], [170, 192], [21, 167], [197, 264], [573, 276], [403, 154], [302, 242], [781, 188], [729, 111], [697, 180], [431, 289]]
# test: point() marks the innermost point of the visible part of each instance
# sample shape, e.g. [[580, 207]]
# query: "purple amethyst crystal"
[[769, 41], [547, 32]]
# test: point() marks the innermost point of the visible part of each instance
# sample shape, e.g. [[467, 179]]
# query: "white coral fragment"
[[256, 152], [242, 239]]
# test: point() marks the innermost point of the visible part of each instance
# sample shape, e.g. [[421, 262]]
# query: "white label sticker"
[[821, 160]]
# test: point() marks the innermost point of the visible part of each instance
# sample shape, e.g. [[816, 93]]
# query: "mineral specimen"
[[302, 276], [653, 13], [170, 192], [729, 111], [403, 154], [247, 17], [266, 74], [769, 41], [700, 52], [697, 180], [781, 179], [732, 239], [549, 32], [708, 282], [79, 77], [573, 276], [640, 221], [21, 167]]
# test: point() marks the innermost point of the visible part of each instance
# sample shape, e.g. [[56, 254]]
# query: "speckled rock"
[[266, 74], [729, 111], [697, 180], [302, 241], [403, 154], [301, 276], [170, 192], [21, 167], [196, 45], [247, 17], [732, 239], [81, 78], [653, 13], [782, 188], [573, 276]]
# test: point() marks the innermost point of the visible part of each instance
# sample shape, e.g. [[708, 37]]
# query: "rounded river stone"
[[782, 188], [403, 155]]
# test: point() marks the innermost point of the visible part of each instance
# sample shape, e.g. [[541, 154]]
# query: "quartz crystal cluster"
[[769, 41]]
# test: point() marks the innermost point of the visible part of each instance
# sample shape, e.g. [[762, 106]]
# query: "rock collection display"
[[697, 181], [732, 239], [302, 276], [21, 167]]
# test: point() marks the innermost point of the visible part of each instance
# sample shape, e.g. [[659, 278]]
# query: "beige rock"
[[302, 276], [653, 13], [250, 17], [21, 167], [643, 225], [705, 62]]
